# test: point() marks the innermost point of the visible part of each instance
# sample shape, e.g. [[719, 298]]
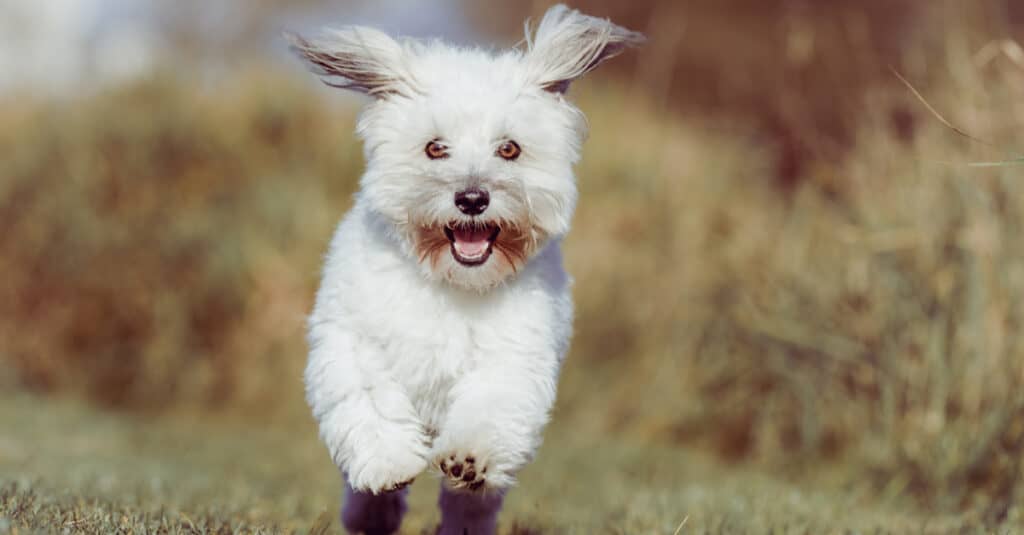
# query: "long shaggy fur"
[[419, 360], [568, 45]]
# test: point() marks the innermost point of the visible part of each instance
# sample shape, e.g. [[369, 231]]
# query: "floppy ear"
[[357, 58], [569, 44]]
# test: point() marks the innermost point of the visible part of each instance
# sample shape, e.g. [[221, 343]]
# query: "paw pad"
[[463, 472]]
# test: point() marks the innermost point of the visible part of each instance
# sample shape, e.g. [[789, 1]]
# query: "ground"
[[70, 468]]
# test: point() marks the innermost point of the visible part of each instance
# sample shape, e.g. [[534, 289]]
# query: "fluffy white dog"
[[445, 312]]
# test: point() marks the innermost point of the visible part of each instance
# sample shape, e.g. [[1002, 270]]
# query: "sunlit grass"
[[72, 469]]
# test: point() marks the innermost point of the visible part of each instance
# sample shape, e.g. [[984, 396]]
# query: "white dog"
[[444, 311]]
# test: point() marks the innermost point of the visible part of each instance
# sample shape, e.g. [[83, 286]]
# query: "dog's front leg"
[[492, 429], [366, 418], [494, 425]]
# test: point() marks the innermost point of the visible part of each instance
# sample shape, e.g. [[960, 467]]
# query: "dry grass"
[[161, 244], [74, 469], [799, 73], [160, 241], [873, 314]]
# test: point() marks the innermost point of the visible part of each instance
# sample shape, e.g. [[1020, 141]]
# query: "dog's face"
[[469, 152]]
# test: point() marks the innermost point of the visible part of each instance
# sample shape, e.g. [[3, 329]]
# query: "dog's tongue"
[[471, 242]]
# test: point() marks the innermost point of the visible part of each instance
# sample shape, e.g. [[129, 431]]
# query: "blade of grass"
[[1003, 163], [917, 94], [931, 109]]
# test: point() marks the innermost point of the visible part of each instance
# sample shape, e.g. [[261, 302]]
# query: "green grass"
[[68, 467]]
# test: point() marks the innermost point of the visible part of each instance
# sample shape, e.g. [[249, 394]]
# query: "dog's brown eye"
[[435, 150], [509, 150]]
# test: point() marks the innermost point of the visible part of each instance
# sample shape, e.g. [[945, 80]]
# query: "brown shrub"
[[145, 231], [874, 314], [801, 73]]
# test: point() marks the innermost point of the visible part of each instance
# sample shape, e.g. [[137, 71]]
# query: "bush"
[[156, 236], [873, 316]]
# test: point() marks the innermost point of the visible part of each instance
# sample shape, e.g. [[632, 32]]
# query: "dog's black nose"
[[472, 201]]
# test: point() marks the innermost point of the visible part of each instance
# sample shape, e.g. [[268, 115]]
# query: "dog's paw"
[[463, 470], [381, 475], [385, 471]]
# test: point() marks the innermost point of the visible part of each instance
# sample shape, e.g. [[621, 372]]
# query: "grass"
[[70, 468]]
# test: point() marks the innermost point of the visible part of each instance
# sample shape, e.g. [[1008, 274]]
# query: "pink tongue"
[[471, 243]]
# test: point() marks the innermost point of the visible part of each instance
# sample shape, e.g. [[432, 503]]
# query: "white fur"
[[412, 361]]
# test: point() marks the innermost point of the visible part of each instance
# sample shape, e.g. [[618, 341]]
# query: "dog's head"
[[470, 152]]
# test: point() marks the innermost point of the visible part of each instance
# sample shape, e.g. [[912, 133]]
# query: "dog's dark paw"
[[463, 471]]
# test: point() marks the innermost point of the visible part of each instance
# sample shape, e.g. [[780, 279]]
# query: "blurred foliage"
[[161, 244], [873, 312], [801, 72], [159, 239]]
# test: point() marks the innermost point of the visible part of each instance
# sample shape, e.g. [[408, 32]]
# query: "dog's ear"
[[357, 58], [569, 44]]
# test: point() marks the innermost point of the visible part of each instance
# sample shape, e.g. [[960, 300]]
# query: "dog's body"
[[429, 354], [444, 311]]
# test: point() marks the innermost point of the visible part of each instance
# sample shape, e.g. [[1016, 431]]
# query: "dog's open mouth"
[[471, 244]]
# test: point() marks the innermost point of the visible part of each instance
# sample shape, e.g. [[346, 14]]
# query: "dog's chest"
[[425, 339]]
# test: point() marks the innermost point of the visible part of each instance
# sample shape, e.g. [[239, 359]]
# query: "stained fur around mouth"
[[450, 234]]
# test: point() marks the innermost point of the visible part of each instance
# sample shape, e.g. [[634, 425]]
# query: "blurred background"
[[785, 256]]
